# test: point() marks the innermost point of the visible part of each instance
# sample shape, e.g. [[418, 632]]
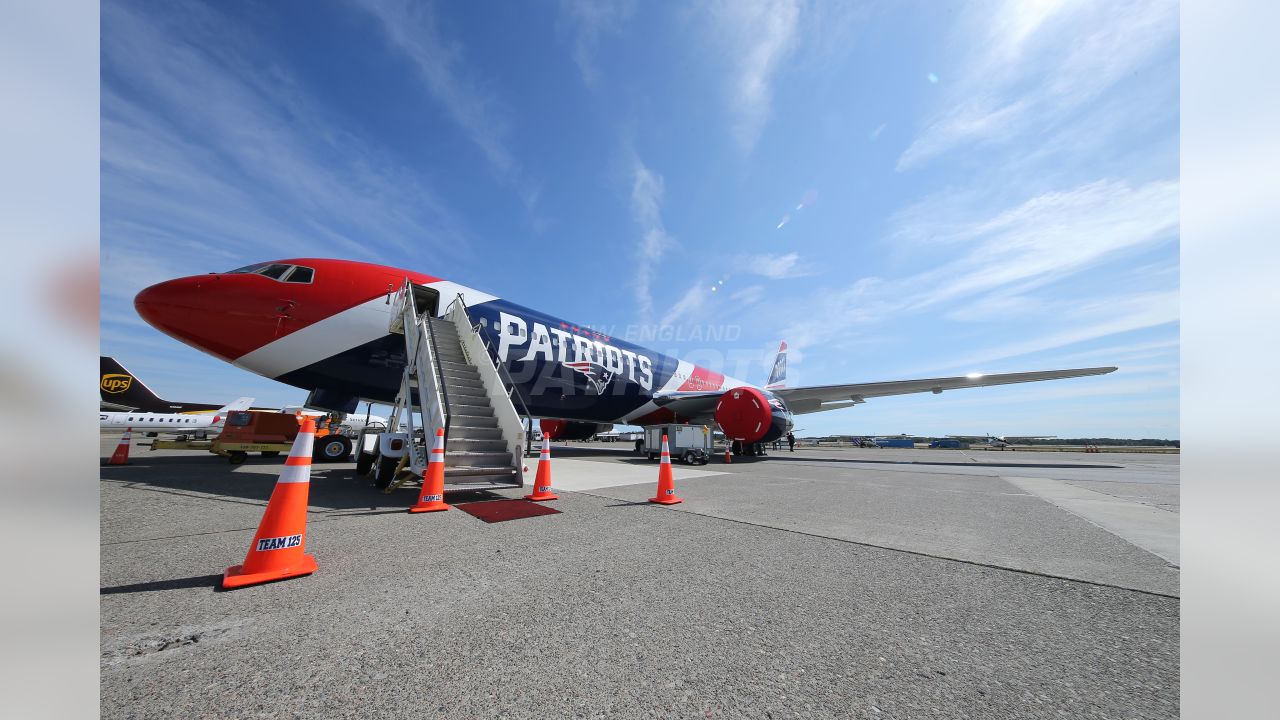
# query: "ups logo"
[[115, 383]]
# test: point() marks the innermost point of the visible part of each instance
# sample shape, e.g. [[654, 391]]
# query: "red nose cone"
[[187, 309]]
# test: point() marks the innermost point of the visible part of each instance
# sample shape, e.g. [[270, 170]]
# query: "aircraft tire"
[[386, 469], [364, 463], [332, 448]]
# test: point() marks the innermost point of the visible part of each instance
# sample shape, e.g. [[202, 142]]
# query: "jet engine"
[[750, 415], [570, 429]]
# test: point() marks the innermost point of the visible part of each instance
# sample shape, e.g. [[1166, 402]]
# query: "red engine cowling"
[[571, 430], [744, 414]]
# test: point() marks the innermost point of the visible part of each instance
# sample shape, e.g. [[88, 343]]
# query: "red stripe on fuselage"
[[702, 379], [233, 314]]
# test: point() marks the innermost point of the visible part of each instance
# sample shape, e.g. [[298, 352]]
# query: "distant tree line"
[[1117, 442], [1145, 442]]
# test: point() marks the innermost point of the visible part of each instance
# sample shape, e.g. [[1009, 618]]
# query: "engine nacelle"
[[571, 429], [745, 414]]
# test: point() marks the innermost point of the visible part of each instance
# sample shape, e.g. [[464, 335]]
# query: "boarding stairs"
[[451, 382]]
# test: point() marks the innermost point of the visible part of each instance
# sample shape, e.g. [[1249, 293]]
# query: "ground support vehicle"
[[690, 444], [269, 433]]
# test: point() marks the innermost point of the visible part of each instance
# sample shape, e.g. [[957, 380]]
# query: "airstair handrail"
[[491, 376]]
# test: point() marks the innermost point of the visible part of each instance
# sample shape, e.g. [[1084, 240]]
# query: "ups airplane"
[[324, 326]]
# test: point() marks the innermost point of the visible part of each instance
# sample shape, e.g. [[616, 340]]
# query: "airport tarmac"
[[863, 583]]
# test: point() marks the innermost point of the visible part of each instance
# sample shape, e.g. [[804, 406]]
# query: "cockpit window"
[[274, 271], [300, 274], [247, 269]]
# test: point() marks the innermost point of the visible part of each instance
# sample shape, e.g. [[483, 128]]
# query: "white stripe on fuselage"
[[341, 332]]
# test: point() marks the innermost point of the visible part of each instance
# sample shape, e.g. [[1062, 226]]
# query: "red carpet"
[[493, 511]]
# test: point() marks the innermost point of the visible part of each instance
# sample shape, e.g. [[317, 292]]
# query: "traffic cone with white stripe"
[[432, 497], [542, 483], [666, 484], [278, 550], [121, 455]]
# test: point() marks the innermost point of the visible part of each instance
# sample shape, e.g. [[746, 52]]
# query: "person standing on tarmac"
[[791, 441]]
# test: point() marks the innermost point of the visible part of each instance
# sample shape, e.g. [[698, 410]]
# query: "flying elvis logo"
[[596, 374], [600, 362], [115, 383]]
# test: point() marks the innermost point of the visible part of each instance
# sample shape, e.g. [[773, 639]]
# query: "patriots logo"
[[596, 375]]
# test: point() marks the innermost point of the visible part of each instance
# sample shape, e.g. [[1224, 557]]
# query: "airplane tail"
[[239, 404], [118, 386], [778, 378]]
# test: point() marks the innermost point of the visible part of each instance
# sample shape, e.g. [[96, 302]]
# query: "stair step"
[[465, 372], [457, 432], [463, 458], [493, 445], [478, 470], [475, 411], [476, 421]]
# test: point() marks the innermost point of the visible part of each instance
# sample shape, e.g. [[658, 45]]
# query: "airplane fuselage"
[[331, 335]]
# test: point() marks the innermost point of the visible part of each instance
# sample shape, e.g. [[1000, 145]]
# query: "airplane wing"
[[1012, 438], [817, 398]]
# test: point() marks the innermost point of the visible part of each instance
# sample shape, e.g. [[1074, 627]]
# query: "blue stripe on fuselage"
[[548, 387]]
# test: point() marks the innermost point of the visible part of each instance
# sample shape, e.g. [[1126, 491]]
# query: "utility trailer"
[[691, 444], [272, 433]]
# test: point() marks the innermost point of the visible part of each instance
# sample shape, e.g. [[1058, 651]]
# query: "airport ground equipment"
[[278, 549], [666, 482], [690, 443], [272, 433], [542, 482], [431, 499], [451, 382]]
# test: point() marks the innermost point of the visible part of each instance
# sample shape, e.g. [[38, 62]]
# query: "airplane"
[[993, 441], [121, 390], [196, 424], [323, 325]]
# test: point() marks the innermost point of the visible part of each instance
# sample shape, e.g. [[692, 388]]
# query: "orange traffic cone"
[[542, 483], [278, 550], [666, 484], [432, 497], [728, 458], [121, 455]]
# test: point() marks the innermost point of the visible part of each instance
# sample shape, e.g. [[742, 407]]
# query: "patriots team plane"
[[332, 327]]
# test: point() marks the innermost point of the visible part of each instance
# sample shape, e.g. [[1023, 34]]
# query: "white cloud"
[[412, 27], [590, 20], [647, 189], [1042, 240], [688, 306], [775, 267], [758, 35], [749, 295], [1033, 63]]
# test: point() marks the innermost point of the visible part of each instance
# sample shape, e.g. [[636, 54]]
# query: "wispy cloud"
[[1039, 241], [413, 28], [690, 304], [775, 267], [758, 36], [589, 20], [211, 153], [1033, 63], [647, 189]]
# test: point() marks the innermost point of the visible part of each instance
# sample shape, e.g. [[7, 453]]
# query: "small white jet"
[[992, 441], [198, 425]]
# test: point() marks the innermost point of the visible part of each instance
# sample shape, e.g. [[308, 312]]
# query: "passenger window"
[[274, 271], [300, 275]]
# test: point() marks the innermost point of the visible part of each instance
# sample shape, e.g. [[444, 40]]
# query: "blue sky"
[[896, 189]]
